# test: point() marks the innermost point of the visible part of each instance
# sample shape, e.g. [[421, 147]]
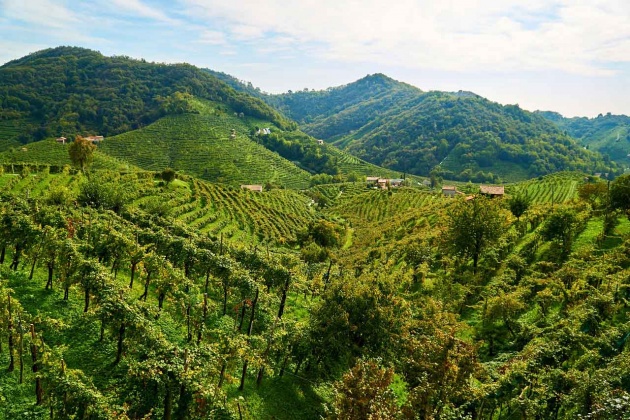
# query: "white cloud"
[[143, 10], [39, 12], [212, 38], [575, 36]]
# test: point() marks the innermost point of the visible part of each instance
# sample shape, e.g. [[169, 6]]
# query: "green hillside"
[[68, 91], [50, 153], [467, 137], [608, 134], [156, 116]]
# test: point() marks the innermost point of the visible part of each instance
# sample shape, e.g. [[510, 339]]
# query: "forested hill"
[[461, 134], [68, 90], [608, 134]]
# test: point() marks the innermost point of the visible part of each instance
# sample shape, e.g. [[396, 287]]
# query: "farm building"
[[61, 140], [492, 191], [95, 139], [449, 191], [255, 188], [372, 181], [320, 142]]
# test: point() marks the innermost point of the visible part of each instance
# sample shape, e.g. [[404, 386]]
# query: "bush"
[[106, 196]]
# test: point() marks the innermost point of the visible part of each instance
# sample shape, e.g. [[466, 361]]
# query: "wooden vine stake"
[[39, 391]]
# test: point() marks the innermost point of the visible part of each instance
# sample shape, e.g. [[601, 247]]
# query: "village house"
[[95, 139], [255, 188], [492, 191], [372, 181], [449, 191], [61, 140], [320, 142], [396, 182]]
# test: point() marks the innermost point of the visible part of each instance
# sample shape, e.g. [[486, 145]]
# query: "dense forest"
[[608, 134], [462, 135], [69, 90]]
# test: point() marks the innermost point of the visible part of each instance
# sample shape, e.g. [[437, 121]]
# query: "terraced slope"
[[237, 215], [49, 152], [556, 188], [9, 132], [201, 145]]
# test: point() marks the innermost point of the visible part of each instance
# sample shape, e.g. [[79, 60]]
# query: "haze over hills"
[[608, 134]]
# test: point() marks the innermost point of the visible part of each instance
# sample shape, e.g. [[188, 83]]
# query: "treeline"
[[68, 91], [301, 149]]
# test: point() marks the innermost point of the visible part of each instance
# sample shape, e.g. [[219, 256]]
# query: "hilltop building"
[[255, 188], [61, 140]]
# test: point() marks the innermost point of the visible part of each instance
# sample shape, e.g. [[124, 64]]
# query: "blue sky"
[[569, 56]]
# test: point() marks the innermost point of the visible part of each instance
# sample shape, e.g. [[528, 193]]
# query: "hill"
[[607, 134], [467, 137], [68, 90], [154, 116]]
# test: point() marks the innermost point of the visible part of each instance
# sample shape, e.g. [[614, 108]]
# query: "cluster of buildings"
[[92, 139], [383, 183]]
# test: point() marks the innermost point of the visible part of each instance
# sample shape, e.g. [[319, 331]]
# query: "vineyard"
[[49, 152], [9, 132], [201, 145], [245, 216], [377, 206], [237, 215], [556, 188]]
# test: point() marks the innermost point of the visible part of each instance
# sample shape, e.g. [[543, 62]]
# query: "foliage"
[[518, 205], [620, 193], [608, 134], [56, 90], [364, 393], [81, 152], [168, 175], [474, 225], [400, 127]]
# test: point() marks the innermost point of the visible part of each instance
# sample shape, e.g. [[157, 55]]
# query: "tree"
[[364, 393], [81, 152], [168, 175], [472, 226], [519, 205], [561, 226], [620, 193]]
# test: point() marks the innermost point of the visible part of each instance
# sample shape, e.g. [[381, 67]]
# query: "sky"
[[569, 56]]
